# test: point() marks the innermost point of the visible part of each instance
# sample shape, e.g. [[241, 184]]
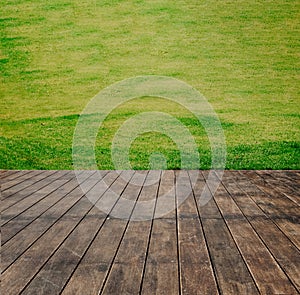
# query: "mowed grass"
[[243, 56]]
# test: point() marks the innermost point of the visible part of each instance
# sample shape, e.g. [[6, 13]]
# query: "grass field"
[[243, 56]]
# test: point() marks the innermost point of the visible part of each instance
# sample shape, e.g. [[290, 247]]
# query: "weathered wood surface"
[[54, 240]]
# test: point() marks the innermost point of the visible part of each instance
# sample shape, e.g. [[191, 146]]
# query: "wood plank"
[[244, 240], [267, 274], [196, 271], [285, 253], [144, 209], [6, 175], [15, 225], [12, 198], [283, 211], [127, 269], [161, 270], [16, 277], [283, 188], [208, 209], [91, 273], [165, 206], [11, 187], [284, 205], [14, 208], [291, 229], [21, 272], [232, 274], [10, 175], [58, 269], [69, 254], [129, 263], [294, 175], [282, 179], [242, 191], [261, 198], [25, 238]]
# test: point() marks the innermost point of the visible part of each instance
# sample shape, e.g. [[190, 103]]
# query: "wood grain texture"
[[196, 270], [59, 239], [91, 274], [284, 212], [130, 260], [282, 249]]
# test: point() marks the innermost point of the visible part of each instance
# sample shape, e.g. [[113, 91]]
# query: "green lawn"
[[243, 56]]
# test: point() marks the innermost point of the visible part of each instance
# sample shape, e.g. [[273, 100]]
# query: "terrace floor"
[[55, 240]]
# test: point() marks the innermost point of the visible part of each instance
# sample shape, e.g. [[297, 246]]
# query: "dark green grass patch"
[[269, 155], [46, 143]]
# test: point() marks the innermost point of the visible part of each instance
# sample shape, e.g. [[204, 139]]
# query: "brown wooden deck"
[[246, 240]]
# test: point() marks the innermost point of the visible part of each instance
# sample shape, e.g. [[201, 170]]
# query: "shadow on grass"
[[46, 143]]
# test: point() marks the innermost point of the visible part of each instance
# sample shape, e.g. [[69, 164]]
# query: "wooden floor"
[[246, 240]]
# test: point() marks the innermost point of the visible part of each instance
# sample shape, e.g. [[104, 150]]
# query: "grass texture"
[[243, 56]]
